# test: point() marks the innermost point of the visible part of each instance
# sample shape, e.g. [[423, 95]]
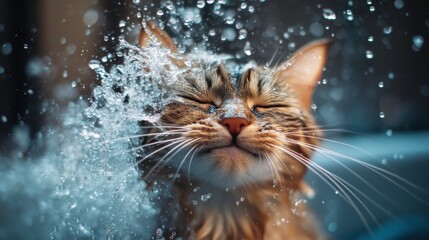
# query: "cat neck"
[[243, 212]]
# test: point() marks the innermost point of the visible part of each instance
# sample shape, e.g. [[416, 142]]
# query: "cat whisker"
[[272, 166], [145, 145], [145, 135], [183, 161], [174, 150], [190, 162], [389, 176], [325, 176]]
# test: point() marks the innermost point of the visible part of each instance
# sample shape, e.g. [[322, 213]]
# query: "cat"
[[230, 151]]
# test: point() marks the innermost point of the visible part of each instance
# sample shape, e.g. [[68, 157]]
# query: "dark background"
[[45, 47]]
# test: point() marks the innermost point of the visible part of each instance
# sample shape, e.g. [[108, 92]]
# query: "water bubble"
[[73, 84], [398, 4], [200, 3], [328, 14], [206, 197], [369, 54], [380, 84], [348, 14], [251, 9], [229, 34], [247, 48], [381, 114], [6, 48], [291, 45], [418, 41], [94, 64], [160, 12], [122, 23], [90, 17], [316, 29], [388, 30], [389, 132], [370, 39], [286, 35], [242, 34]]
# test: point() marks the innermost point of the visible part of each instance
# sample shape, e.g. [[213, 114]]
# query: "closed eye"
[[272, 106], [196, 100]]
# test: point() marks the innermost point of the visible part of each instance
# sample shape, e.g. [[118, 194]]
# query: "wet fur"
[[256, 187]]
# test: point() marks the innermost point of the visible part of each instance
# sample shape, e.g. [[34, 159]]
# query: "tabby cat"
[[230, 150]]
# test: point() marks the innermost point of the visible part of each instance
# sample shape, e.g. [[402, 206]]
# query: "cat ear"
[[151, 32], [304, 69]]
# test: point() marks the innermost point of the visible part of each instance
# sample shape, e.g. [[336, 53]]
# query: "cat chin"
[[229, 167]]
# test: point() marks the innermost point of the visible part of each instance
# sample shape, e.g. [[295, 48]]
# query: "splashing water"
[[87, 185]]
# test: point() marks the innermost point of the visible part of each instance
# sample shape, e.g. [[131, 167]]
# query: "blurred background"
[[376, 81]]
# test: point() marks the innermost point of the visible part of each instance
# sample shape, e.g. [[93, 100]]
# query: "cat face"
[[243, 130]]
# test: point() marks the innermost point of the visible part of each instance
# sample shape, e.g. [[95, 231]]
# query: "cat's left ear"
[[304, 69], [151, 32]]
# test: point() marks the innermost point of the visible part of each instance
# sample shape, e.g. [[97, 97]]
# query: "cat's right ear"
[[151, 32]]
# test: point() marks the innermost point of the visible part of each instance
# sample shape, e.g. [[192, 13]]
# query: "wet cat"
[[230, 151]]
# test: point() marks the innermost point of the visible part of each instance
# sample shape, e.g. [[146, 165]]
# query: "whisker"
[[144, 135], [311, 165], [182, 162], [190, 162], [145, 145], [173, 150]]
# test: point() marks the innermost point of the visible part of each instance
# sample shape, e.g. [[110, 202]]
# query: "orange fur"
[[253, 177]]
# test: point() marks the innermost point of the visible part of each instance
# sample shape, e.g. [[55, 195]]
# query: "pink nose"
[[234, 125]]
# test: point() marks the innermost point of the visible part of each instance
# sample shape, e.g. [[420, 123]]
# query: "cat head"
[[235, 129]]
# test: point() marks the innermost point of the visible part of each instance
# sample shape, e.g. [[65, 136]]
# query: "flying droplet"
[[247, 48], [418, 41], [381, 115], [369, 54], [380, 84], [328, 14]]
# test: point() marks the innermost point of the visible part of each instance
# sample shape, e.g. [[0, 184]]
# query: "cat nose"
[[234, 125]]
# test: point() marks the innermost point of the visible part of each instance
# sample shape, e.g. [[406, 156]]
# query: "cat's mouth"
[[232, 149]]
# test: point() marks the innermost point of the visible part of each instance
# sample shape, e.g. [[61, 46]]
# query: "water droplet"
[[6, 49], [242, 34], [389, 132], [25, 46], [160, 12], [251, 9], [336, 192], [73, 84], [398, 4], [65, 74], [206, 197], [243, 5], [194, 202], [332, 227], [418, 41], [316, 29], [371, 8], [381, 115], [229, 34], [237, 203], [388, 30], [242, 199], [313, 106], [286, 35], [328, 14], [94, 64], [384, 161], [136, 1], [210, 1], [369, 54], [200, 4], [370, 39], [4, 119], [90, 17], [380, 84], [348, 14], [247, 48], [122, 23]]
